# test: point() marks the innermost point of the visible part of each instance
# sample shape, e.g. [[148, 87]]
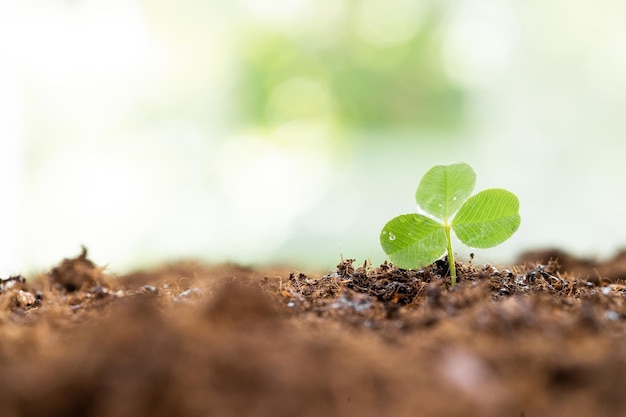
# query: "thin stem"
[[451, 265]]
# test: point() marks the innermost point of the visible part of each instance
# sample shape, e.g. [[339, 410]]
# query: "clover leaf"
[[483, 220]]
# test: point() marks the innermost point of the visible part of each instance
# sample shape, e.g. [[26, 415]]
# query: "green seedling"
[[484, 220]]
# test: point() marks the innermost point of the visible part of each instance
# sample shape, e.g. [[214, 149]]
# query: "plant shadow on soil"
[[545, 337]]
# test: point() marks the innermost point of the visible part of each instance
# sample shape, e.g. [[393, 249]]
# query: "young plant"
[[484, 220]]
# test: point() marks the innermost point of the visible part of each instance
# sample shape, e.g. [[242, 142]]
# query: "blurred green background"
[[291, 131]]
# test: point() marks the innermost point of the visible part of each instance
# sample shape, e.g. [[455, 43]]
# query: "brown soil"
[[545, 338]]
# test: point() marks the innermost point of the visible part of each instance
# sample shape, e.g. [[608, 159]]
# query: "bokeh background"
[[291, 131]]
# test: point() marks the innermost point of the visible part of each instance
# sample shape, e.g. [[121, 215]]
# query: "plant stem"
[[451, 266]]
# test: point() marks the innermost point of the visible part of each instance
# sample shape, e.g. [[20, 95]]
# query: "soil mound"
[[544, 337]]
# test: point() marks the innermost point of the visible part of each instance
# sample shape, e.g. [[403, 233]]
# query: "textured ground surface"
[[541, 338]]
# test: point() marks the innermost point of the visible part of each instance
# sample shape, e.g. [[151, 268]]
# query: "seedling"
[[484, 220]]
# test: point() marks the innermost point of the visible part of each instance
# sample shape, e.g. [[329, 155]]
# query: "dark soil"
[[544, 338]]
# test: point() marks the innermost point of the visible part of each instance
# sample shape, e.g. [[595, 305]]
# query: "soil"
[[546, 337]]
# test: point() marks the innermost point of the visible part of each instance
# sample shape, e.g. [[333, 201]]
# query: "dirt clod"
[[76, 273]]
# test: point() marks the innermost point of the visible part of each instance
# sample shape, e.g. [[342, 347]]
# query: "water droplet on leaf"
[[392, 236]]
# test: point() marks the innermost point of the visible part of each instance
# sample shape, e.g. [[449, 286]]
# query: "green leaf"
[[487, 218], [444, 188], [413, 241]]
